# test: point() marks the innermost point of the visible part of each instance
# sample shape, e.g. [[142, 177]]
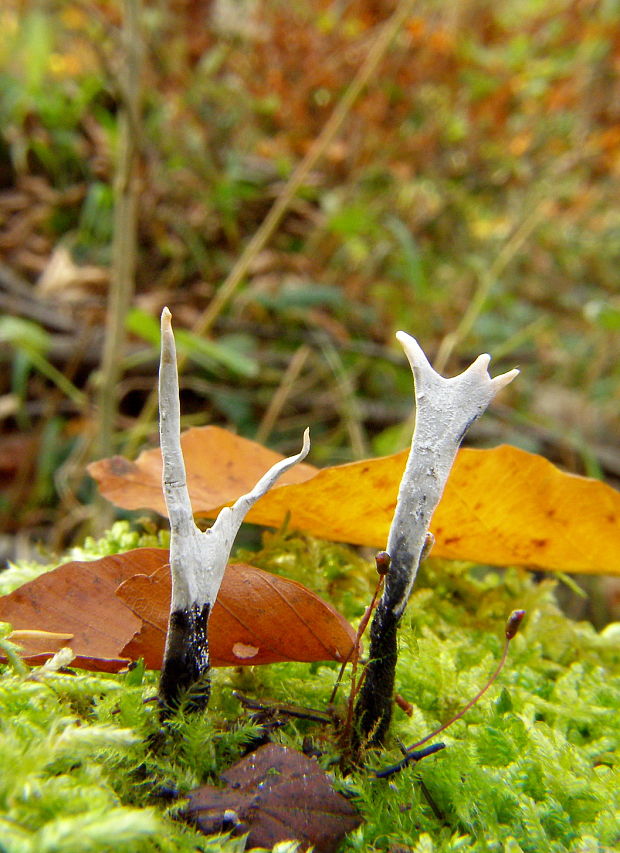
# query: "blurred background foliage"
[[470, 198]]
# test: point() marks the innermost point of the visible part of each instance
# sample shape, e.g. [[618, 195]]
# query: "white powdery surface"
[[445, 409], [197, 558]]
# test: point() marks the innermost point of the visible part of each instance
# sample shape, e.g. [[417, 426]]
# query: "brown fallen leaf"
[[79, 598], [116, 609], [257, 618], [502, 506], [220, 465], [275, 794]]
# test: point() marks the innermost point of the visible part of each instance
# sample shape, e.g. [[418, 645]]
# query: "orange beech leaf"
[[509, 507], [502, 506], [220, 467], [115, 609], [257, 618]]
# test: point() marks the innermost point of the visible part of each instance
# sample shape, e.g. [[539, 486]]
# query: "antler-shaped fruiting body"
[[197, 558], [445, 409]]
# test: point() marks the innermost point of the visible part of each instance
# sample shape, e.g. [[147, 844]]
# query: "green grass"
[[84, 760]]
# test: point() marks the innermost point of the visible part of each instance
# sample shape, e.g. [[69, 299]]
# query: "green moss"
[[84, 761]]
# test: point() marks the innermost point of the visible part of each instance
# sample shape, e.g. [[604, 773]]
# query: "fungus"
[[197, 558], [445, 409]]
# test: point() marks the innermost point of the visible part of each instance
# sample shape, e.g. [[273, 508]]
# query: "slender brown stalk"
[[512, 626], [355, 650]]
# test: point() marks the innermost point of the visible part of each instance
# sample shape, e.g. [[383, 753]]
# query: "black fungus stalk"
[[375, 703], [373, 710], [186, 659]]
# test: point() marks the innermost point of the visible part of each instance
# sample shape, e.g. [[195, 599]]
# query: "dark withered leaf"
[[275, 794]]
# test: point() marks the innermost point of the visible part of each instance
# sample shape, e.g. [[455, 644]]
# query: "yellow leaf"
[[502, 506]]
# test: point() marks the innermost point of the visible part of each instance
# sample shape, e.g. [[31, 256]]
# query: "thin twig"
[[292, 372], [541, 203], [283, 708], [355, 648], [316, 151], [349, 404], [487, 282]]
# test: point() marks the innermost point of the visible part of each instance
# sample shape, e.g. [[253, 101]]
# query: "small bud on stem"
[[514, 623]]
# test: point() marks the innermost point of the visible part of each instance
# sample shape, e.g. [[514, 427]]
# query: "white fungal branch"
[[445, 409], [197, 558]]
